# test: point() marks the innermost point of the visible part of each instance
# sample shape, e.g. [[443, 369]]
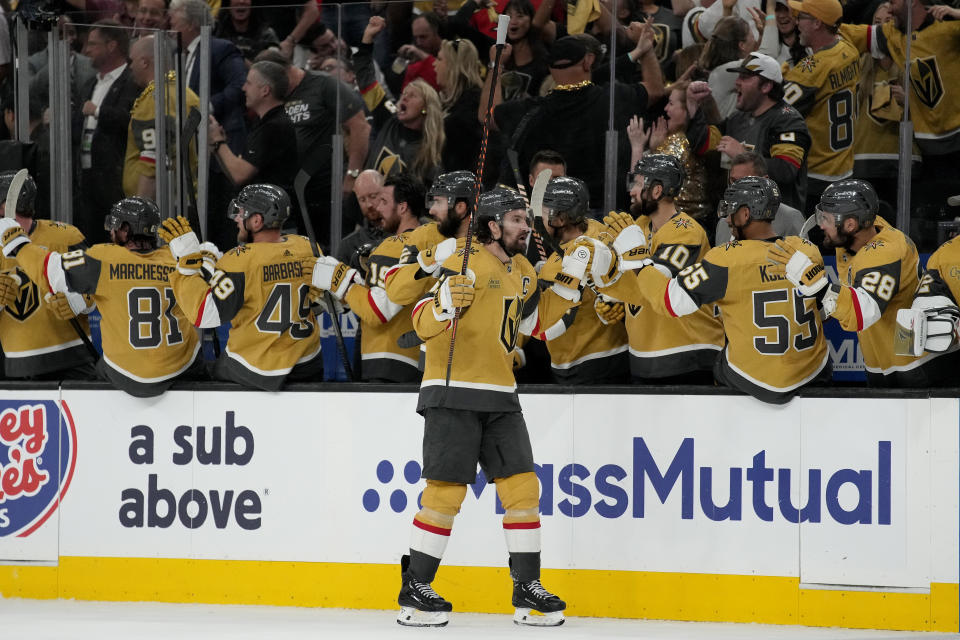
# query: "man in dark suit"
[[227, 75], [108, 99]]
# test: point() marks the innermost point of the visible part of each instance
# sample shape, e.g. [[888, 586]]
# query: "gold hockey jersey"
[[506, 303], [661, 346], [942, 277], [383, 321], [583, 350], [935, 50], [146, 337], [823, 88], [34, 341], [876, 282], [775, 340], [406, 283], [263, 291]]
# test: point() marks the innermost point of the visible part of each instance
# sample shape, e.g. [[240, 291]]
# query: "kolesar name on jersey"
[[140, 271], [611, 490]]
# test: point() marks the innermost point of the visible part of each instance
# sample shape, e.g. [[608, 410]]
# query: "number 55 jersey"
[[147, 341]]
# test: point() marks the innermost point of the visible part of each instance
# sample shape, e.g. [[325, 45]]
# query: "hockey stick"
[[502, 24], [300, 186], [10, 211], [521, 187], [807, 227]]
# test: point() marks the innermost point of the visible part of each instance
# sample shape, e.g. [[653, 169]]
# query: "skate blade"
[[531, 618], [410, 617]]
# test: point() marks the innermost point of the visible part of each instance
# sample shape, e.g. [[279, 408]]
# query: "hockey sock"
[[520, 496], [432, 525]]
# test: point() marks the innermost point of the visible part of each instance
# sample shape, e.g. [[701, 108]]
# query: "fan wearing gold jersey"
[[382, 321], [147, 341], [588, 345], [877, 266], [473, 416], [775, 342], [37, 340], [450, 201], [664, 349], [260, 287], [823, 89]]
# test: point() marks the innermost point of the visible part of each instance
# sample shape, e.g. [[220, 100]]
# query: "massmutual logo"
[[38, 453], [677, 483]]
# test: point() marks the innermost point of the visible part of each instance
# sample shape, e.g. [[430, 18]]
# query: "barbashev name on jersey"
[[140, 271], [282, 271]]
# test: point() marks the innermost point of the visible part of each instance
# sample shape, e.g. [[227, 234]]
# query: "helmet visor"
[[727, 208], [112, 222], [436, 199], [826, 217], [234, 210]]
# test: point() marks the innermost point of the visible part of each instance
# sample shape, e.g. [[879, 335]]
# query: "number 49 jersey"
[[263, 291], [146, 338]]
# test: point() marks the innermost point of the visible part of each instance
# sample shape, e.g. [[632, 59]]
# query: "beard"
[[643, 208], [844, 240], [449, 226]]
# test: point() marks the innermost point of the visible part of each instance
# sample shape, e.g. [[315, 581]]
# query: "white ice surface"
[[76, 620]]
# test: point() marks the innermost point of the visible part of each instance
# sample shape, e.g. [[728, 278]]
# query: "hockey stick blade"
[[13, 193], [807, 227], [539, 188]]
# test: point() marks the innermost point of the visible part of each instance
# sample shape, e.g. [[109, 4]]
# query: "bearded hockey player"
[[37, 338], [259, 287], [877, 266], [450, 202], [147, 341], [476, 418], [664, 349], [588, 345], [775, 342]]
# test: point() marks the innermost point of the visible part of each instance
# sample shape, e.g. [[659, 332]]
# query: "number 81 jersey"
[[145, 335]]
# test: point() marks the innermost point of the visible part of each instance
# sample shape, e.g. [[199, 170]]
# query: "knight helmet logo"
[[38, 453], [926, 81]]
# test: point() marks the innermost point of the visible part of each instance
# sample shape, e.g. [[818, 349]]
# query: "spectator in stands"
[[320, 42], [140, 167], [458, 74], [311, 104], [367, 188], [32, 154], [246, 29], [780, 37], [336, 67], [527, 68], [267, 156], [665, 20], [669, 135], [787, 220], [106, 109], [227, 70], [730, 43], [421, 54], [762, 122], [573, 118], [151, 14], [412, 137]]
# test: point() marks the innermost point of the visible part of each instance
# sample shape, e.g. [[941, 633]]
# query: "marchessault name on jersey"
[[141, 271]]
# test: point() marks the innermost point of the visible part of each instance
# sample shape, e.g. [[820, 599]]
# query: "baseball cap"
[[566, 52], [760, 64], [828, 12]]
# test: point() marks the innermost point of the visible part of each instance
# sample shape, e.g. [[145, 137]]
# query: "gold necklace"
[[573, 87]]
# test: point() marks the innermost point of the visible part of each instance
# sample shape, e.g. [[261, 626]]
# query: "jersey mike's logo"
[[926, 81], [28, 299], [37, 458]]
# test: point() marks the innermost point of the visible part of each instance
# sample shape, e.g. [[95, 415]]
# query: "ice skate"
[[536, 606], [420, 605]]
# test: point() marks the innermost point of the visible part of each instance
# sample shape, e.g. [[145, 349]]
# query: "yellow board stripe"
[[612, 594]]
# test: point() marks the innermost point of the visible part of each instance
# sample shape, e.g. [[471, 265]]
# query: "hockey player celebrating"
[[259, 287], [662, 349], [588, 345], [450, 202], [476, 417], [36, 337], [765, 315], [147, 341], [877, 266]]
